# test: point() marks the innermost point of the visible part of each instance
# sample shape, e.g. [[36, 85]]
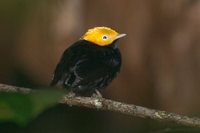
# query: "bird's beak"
[[120, 36]]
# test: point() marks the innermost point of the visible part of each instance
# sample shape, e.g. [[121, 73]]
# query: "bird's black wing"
[[60, 72], [67, 61]]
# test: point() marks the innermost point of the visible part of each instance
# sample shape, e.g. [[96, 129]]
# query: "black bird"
[[91, 63]]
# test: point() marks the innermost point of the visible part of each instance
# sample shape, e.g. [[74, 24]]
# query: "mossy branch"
[[110, 105]]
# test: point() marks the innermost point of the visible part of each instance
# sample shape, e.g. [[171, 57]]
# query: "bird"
[[91, 63]]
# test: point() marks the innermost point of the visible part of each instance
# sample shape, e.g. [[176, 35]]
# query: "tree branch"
[[110, 105]]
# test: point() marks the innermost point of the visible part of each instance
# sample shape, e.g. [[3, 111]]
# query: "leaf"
[[43, 98], [21, 108], [15, 107]]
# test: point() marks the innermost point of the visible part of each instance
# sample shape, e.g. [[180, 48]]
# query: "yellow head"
[[101, 36]]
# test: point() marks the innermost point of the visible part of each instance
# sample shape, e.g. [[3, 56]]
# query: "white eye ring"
[[104, 37]]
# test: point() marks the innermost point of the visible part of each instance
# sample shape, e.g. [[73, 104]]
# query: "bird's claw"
[[71, 94], [97, 94]]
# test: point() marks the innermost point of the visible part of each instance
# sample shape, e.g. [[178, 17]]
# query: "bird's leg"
[[97, 94], [71, 94]]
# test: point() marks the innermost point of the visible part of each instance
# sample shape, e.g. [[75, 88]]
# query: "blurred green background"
[[161, 58]]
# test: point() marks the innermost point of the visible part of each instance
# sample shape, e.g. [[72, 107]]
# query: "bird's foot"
[[97, 94], [71, 94]]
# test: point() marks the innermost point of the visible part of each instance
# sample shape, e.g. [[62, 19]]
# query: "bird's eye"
[[104, 37]]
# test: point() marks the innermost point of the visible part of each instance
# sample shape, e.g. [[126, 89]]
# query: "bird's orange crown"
[[101, 36]]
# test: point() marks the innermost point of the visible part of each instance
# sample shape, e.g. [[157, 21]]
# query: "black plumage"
[[85, 67]]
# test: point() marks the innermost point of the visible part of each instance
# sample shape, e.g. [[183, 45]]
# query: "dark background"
[[161, 58]]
